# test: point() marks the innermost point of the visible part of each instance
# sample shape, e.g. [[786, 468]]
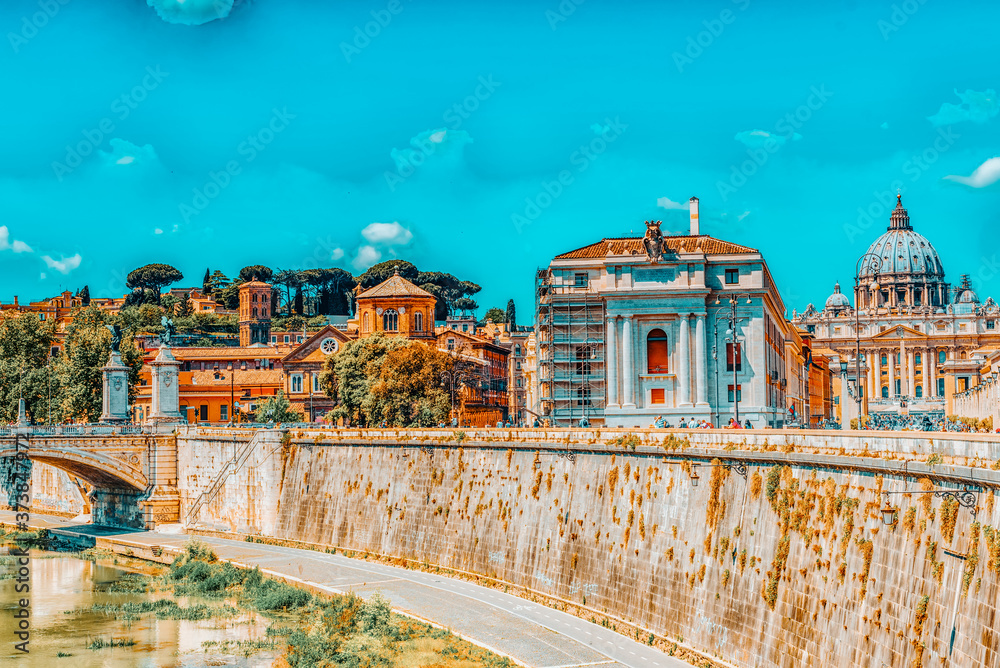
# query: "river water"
[[61, 583]]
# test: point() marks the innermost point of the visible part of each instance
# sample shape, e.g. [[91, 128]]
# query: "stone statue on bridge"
[[116, 338], [168, 330]]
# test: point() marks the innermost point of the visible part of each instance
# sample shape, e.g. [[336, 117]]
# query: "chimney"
[[693, 202]]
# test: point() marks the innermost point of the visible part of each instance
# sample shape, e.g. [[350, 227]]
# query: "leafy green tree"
[[169, 303], [25, 345], [496, 315], [255, 271], [382, 271], [152, 278], [511, 316], [289, 279], [230, 297], [277, 409], [465, 305], [407, 389], [184, 307], [84, 295], [348, 376], [87, 349], [217, 283]]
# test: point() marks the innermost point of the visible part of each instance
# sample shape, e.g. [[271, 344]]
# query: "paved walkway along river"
[[532, 634]]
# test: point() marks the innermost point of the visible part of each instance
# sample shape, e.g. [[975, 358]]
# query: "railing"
[[230, 467], [76, 430]]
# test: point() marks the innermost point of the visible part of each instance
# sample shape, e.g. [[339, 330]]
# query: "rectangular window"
[[899, 387], [315, 383], [656, 396], [732, 354], [990, 324], [274, 339], [739, 393], [917, 360], [224, 412], [940, 387], [451, 344], [203, 413], [296, 383], [583, 396], [580, 281], [885, 360], [732, 276], [286, 338]]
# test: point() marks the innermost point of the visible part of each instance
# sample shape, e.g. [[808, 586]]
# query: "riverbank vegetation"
[[335, 631]]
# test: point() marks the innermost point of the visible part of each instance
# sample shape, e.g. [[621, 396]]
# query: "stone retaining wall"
[[791, 566]]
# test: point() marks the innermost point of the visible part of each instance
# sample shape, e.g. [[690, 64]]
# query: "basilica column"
[[891, 359], [611, 363], [874, 376], [701, 377], [628, 364], [911, 375], [904, 368], [684, 363], [927, 381]]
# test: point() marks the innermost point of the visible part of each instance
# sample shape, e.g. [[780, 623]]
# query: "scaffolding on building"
[[570, 351]]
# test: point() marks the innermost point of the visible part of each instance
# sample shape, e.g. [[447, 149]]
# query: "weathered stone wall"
[[52, 491], [790, 567]]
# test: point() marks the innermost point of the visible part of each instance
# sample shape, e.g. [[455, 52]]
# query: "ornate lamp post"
[[870, 264], [732, 337], [966, 498]]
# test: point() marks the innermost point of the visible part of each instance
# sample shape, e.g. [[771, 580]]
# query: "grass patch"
[[105, 643]]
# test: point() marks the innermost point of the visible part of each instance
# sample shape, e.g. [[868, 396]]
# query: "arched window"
[[390, 320], [885, 392], [920, 391], [255, 297], [418, 322], [255, 311], [365, 322], [656, 352]]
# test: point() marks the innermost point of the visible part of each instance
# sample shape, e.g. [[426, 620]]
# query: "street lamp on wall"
[[733, 337], [870, 263]]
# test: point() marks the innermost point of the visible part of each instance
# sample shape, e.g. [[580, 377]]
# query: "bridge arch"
[[99, 469]]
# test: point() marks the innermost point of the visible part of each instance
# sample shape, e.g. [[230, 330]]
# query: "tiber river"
[[61, 583]]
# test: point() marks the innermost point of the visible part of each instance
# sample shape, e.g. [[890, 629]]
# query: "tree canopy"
[[384, 270], [152, 278], [277, 409], [388, 378], [255, 271], [496, 315]]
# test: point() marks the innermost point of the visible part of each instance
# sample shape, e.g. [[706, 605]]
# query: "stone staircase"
[[229, 468]]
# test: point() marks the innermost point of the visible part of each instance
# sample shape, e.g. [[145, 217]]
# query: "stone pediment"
[[310, 348], [899, 332]]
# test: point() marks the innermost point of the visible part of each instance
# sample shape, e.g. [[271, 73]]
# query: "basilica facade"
[[920, 340], [680, 327]]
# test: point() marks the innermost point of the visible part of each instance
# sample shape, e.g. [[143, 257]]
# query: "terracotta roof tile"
[[394, 286], [633, 246]]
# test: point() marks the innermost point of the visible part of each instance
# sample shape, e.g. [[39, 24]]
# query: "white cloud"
[[157, 231], [986, 174], [42, 276], [191, 12], [6, 243], [366, 256], [387, 234], [976, 106], [337, 254], [743, 215], [667, 203], [64, 264], [760, 138]]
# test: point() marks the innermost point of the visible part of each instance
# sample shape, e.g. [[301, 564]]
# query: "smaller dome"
[[837, 300], [965, 293]]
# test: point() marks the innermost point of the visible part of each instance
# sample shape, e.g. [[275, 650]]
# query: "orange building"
[[255, 313], [396, 306], [302, 367]]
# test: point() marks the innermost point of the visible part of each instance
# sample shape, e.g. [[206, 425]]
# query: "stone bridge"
[[125, 476]]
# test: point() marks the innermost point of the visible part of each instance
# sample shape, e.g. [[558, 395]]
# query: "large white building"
[[632, 328], [920, 340]]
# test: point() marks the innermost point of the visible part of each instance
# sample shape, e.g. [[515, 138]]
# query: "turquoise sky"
[[483, 138]]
